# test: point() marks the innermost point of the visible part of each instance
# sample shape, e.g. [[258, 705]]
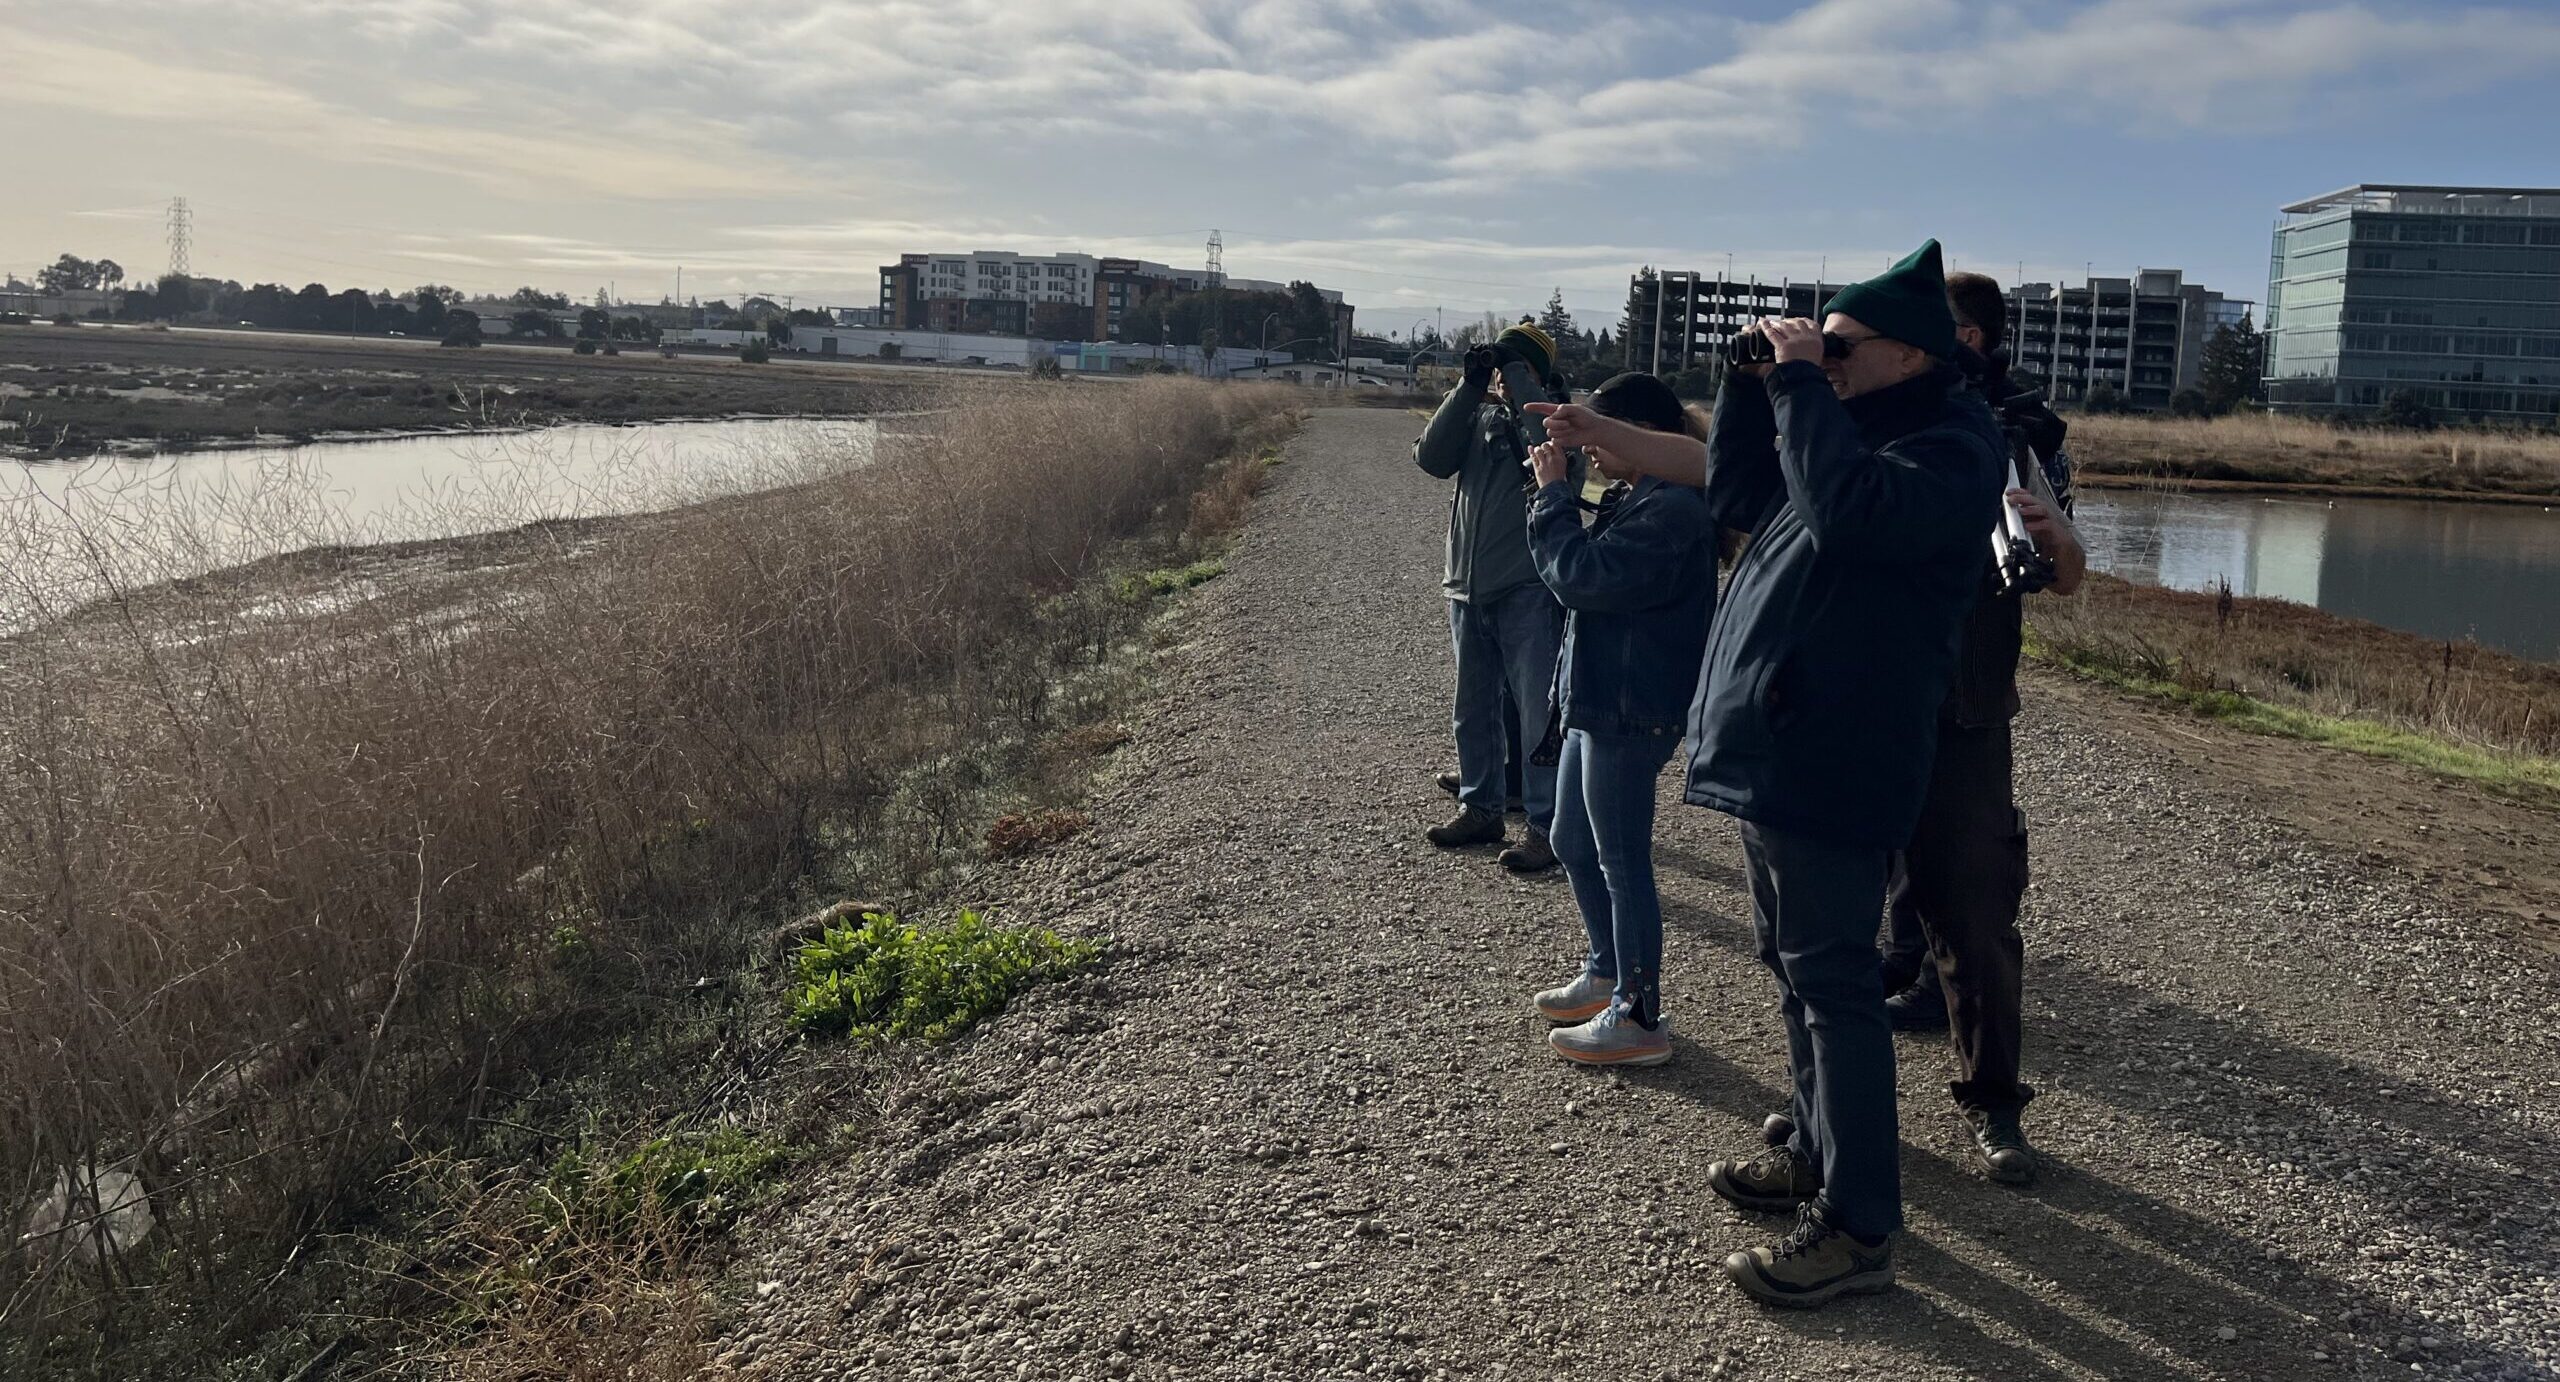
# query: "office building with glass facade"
[[2451, 294]]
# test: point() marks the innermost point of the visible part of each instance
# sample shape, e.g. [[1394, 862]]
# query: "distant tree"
[[1697, 382], [1558, 324], [310, 311], [594, 324], [2404, 408], [740, 321], [807, 316], [2190, 402], [1640, 294], [586, 346], [755, 353], [778, 327], [2102, 398], [461, 327], [2234, 367], [267, 304], [351, 310], [430, 311], [532, 322], [1467, 337], [69, 274], [1311, 322], [110, 273], [634, 328], [534, 297], [425, 293]]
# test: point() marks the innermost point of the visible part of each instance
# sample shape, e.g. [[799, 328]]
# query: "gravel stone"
[[2281, 1086]]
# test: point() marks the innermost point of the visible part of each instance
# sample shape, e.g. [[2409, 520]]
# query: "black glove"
[[1479, 365]]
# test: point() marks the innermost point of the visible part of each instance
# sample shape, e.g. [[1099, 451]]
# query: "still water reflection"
[[69, 529], [2445, 570]]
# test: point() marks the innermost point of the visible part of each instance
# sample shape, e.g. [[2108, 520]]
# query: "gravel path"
[[2299, 1116]]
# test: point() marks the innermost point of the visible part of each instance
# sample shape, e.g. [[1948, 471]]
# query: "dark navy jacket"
[[1638, 589], [1836, 641]]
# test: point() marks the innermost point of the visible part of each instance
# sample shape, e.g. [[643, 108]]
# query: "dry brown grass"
[[2277, 653], [276, 886], [1021, 832], [2271, 449]]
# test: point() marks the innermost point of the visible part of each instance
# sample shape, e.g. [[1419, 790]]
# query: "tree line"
[[430, 309]]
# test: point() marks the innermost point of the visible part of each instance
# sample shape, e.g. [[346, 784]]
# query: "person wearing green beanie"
[[1867, 474], [1907, 303]]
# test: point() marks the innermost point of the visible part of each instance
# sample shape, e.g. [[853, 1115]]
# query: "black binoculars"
[[1752, 347]]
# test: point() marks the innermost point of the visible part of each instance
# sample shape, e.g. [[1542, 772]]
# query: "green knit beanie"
[[1537, 347], [1908, 302]]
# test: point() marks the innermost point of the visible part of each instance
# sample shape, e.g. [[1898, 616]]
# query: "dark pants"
[[1954, 909], [1814, 906], [1507, 642]]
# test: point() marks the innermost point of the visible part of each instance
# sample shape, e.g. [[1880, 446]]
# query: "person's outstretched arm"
[[1666, 455]]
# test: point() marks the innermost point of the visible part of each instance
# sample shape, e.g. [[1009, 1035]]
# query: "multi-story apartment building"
[[1064, 297], [2144, 335], [1676, 318], [2449, 293]]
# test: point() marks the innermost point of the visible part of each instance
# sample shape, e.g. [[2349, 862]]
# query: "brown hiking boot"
[[1469, 827], [1532, 855], [1774, 1181], [1812, 1265]]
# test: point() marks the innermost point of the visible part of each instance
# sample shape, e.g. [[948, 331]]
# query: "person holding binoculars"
[[1504, 626], [1867, 475]]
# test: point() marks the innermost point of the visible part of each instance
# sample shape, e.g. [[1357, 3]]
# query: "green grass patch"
[[2520, 775], [1170, 580], [700, 1180], [880, 978]]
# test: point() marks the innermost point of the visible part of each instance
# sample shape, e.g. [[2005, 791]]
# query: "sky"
[[1432, 159]]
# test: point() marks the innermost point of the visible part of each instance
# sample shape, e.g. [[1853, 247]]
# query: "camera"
[[2023, 569], [1751, 347]]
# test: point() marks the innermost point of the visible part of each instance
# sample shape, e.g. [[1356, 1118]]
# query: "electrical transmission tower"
[[181, 229], [1217, 331]]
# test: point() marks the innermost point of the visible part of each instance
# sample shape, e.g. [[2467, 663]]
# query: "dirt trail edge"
[[2299, 1113]]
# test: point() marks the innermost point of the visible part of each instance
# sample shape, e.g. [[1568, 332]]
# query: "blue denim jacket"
[[1639, 588]]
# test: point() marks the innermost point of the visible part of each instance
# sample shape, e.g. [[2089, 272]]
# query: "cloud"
[[1451, 94], [640, 157]]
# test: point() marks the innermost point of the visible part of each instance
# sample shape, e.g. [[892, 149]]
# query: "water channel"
[[162, 516], [2489, 572]]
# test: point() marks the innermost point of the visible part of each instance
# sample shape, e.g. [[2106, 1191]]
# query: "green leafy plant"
[[700, 1180], [1170, 580], [882, 978]]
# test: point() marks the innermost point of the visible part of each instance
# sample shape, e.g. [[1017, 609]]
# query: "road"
[[2298, 1108]]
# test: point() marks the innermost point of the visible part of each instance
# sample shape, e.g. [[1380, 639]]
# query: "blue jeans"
[[1814, 905], [1509, 640], [1604, 839]]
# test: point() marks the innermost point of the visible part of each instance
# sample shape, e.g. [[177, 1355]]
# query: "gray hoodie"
[[1481, 444]]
